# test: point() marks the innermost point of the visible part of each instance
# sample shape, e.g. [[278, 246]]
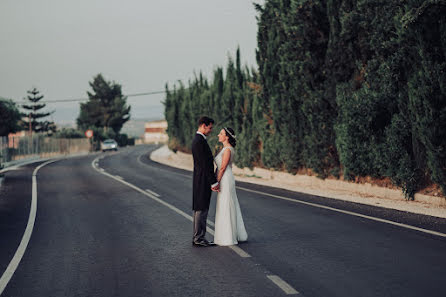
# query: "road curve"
[[96, 236]]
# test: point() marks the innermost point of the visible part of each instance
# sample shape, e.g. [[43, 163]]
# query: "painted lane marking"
[[147, 194], [117, 176], [15, 261], [139, 160], [153, 193], [239, 251], [18, 166], [236, 249], [145, 165], [284, 286], [348, 212], [340, 211], [343, 211], [289, 290]]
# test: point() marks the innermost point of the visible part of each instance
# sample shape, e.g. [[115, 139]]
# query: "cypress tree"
[[269, 38], [351, 85], [425, 25]]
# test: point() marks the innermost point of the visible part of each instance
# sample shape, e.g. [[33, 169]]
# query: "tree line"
[[351, 88], [105, 112]]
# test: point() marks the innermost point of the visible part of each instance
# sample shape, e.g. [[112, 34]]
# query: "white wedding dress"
[[229, 226]]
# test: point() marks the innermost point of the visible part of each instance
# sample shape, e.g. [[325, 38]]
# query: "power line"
[[85, 99]]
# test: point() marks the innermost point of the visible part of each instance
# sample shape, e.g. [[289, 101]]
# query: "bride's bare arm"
[[224, 163]]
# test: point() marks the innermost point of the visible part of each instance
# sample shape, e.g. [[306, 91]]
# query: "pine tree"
[[32, 115]]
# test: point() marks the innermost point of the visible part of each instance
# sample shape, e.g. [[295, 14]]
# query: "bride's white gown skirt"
[[229, 226]]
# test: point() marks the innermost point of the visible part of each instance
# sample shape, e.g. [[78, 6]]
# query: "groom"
[[204, 181]]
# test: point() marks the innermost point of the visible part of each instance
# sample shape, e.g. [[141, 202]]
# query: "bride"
[[229, 226]]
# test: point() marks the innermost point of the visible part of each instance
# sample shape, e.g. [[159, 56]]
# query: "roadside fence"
[[14, 148]]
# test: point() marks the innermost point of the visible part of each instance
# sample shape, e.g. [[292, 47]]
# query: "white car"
[[108, 145]]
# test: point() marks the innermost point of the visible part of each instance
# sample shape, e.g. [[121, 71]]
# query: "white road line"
[[18, 166], [289, 290], [148, 195], [342, 211], [117, 176], [239, 251], [347, 212], [9, 272], [153, 193], [139, 159], [236, 249]]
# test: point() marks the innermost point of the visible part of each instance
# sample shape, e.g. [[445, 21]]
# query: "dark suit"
[[203, 178]]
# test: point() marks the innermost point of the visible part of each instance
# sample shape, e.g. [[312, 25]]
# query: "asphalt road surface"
[[118, 224]]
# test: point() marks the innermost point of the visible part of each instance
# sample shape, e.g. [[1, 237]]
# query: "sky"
[[58, 46]]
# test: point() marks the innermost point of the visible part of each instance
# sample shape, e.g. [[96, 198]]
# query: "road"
[[99, 232]]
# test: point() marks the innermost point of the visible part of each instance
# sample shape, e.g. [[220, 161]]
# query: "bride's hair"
[[231, 136]]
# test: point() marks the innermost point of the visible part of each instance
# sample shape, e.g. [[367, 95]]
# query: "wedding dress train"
[[229, 226]]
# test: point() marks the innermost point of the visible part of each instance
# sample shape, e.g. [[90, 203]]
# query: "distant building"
[[155, 132], [13, 138]]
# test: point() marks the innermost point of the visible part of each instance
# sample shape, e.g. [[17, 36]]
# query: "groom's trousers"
[[200, 219]]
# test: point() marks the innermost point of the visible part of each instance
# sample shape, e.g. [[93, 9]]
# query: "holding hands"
[[216, 188]]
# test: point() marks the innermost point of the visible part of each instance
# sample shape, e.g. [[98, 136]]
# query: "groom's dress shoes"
[[203, 242], [209, 243], [200, 243]]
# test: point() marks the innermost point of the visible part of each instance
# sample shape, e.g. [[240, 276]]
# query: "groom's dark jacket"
[[204, 175]]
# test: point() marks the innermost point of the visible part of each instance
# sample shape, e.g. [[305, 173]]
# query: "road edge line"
[[15, 261], [348, 212]]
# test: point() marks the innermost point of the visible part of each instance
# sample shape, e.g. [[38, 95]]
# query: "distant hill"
[[133, 127]]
